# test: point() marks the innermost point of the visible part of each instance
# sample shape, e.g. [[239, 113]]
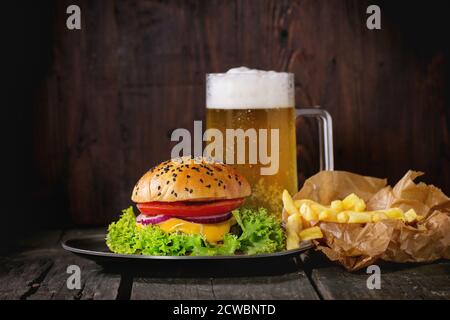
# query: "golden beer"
[[266, 189], [254, 100]]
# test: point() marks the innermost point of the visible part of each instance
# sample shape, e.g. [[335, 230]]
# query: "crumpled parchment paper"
[[356, 246]]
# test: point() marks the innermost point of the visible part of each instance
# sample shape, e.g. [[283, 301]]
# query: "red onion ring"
[[209, 219], [145, 220]]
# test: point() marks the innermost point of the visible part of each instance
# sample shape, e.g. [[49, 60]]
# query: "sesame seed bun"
[[190, 179]]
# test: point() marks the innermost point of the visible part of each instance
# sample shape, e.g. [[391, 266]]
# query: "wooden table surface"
[[39, 271]]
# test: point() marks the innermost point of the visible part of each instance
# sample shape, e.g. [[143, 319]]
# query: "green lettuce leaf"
[[121, 237], [261, 232], [229, 247], [125, 237]]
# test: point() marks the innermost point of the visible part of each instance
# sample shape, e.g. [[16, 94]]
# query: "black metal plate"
[[94, 248]]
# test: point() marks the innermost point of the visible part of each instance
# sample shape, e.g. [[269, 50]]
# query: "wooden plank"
[[21, 273], [408, 282], [20, 276], [41, 273], [95, 284], [176, 288], [101, 286], [289, 286]]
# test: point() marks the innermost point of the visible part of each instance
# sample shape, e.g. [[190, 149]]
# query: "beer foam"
[[244, 88]]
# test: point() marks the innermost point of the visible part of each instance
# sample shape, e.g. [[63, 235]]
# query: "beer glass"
[[254, 113]]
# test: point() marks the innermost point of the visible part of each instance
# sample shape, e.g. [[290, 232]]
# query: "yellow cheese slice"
[[213, 232]]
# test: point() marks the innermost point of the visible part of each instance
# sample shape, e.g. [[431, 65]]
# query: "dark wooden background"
[[99, 104]]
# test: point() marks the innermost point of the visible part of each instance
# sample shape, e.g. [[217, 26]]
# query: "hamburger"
[[193, 196], [193, 206]]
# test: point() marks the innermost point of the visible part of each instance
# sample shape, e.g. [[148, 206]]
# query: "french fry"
[[299, 203], [353, 202], [328, 215], [337, 206], [360, 205], [288, 203], [342, 217], [308, 213], [394, 213], [349, 201], [314, 205], [350, 210], [293, 227], [378, 216], [359, 217], [310, 233]]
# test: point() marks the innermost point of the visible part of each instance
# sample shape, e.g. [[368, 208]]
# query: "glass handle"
[[325, 135]]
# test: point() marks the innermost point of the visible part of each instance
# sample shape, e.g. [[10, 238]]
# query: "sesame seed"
[[201, 180], [159, 194], [208, 186], [188, 176]]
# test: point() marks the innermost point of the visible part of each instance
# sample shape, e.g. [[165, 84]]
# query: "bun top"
[[190, 179]]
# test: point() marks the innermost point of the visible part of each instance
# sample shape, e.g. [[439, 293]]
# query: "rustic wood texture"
[[408, 282], [40, 273], [115, 90], [21, 276], [95, 284], [291, 286]]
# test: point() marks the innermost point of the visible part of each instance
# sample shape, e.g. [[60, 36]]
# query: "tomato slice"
[[189, 209]]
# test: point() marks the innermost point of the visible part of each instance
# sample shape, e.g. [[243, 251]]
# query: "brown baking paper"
[[356, 246]]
